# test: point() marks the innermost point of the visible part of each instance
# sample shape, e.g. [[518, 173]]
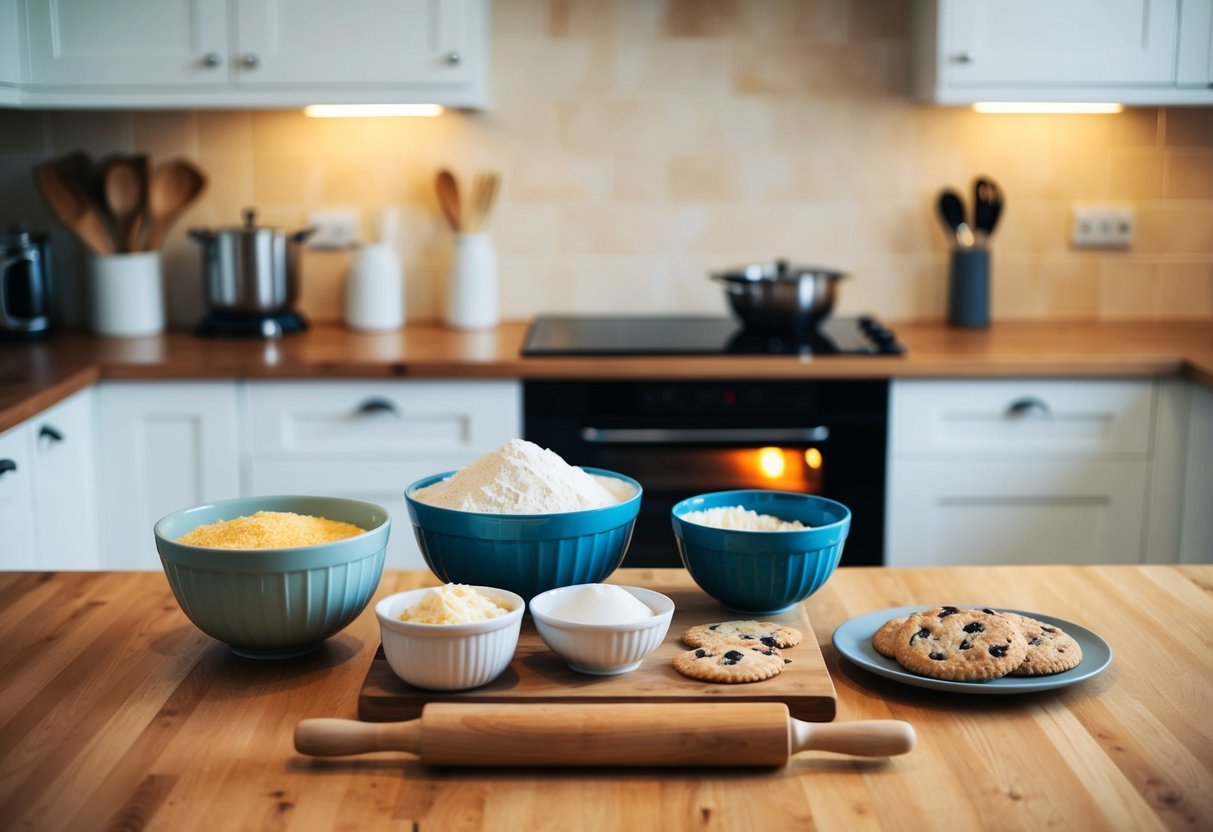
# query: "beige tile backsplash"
[[644, 144]]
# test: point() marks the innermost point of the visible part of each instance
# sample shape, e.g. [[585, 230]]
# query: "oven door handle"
[[698, 436]]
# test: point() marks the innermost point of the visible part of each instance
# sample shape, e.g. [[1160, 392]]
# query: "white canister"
[[126, 293], [374, 289], [472, 296]]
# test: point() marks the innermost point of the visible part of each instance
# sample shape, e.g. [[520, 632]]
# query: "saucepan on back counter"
[[779, 295]]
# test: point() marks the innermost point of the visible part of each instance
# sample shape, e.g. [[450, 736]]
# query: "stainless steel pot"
[[250, 269], [779, 296]]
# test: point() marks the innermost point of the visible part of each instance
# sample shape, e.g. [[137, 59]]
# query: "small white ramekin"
[[449, 656], [602, 649]]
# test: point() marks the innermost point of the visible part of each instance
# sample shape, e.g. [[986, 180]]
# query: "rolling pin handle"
[[341, 737], [864, 738]]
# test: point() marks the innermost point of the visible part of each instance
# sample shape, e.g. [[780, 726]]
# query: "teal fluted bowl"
[[524, 553], [762, 573], [274, 603]]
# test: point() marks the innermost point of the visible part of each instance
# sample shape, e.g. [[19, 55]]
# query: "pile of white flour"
[[737, 517], [522, 478]]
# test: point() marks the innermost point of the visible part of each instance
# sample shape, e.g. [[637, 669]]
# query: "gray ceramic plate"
[[854, 641]]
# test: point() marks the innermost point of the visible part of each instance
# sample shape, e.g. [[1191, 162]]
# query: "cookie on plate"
[[885, 638], [1050, 649], [730, 663], [960, 645], [741, 632]]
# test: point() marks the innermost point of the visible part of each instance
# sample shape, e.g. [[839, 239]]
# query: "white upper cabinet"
[[1126, 51], [377, 42], [102, 43], [252, 53]]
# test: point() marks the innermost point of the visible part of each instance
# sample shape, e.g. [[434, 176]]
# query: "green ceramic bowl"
[[274, 603]]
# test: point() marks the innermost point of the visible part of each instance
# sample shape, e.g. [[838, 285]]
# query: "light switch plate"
[[335, 229], [1102, 227]]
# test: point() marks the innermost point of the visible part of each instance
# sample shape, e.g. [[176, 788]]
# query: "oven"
[[681, 438]]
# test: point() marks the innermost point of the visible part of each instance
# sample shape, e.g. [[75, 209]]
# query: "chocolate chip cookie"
[[960, 645], [730, 663], [742, 632], [884, 640], [1050, 649]]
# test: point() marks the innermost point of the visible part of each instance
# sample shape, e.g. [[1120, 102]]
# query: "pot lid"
[[251, 228], [775, 270]]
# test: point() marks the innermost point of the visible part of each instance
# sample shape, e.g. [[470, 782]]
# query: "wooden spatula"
[[626, 734]]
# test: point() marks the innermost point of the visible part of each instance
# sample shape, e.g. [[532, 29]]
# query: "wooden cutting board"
[[538, 675]]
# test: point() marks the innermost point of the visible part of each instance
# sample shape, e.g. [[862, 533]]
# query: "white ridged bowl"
[[602, 649], [449, 656]]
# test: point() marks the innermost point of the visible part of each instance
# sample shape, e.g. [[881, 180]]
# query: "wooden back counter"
[[115, 712], [35, 375]]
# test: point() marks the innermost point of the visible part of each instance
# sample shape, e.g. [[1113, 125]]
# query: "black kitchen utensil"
[[987, 205], [952, 210]]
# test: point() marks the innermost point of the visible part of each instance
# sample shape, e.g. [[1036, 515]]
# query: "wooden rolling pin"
[[711, 734]]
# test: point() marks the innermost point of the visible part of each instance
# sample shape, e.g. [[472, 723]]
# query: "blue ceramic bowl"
[[274, 603], [762, 573], [524, 553]]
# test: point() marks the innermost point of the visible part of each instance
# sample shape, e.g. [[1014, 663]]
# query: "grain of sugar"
[[269, 530], [520, 478], [737, 517]]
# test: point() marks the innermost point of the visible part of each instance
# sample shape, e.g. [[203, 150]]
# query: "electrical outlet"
[[1102, 228], [334, 229]]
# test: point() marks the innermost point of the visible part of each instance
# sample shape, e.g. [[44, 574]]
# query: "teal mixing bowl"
[[274, 603], [524, 553], [762, 573]]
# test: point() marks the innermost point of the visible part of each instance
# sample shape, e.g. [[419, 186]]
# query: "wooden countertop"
[[33, 376], [117, 712]]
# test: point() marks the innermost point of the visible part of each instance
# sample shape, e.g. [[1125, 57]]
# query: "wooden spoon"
[[174, 187], [60, 185], [125, 183], [448, 199]]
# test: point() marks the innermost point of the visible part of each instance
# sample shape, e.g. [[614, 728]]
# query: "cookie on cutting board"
[[730, 663], [741, 632]]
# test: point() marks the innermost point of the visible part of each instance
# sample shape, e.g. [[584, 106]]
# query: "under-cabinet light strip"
[[1045, 107], [371, 110]]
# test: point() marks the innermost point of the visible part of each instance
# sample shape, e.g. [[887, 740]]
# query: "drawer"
[[440, 420], [1022, 418], [968, 513]]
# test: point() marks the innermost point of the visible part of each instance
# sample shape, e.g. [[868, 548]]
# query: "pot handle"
[[302, 234], [202, 235]]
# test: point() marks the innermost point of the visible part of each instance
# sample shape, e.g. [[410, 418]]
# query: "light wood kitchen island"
[[115, 712]]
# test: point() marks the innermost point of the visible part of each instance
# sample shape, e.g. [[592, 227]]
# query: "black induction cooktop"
[[558, 335]]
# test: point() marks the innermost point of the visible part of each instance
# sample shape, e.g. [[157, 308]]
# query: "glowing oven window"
[[783, 469], [696, 469]]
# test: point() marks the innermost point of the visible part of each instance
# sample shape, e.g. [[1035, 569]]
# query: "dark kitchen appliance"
[[250, 274], [682, 438], [26, 288], [656, 335]]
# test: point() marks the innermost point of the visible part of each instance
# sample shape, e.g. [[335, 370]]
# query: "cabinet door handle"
[[249, 60], [377, 405], [47, 432], [7, 465], [1026, 406], [453, 57], [962, 57], [212, 60]]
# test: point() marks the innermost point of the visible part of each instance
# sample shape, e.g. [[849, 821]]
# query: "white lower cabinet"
[[65, 495], [1018, 471], [48, 515], [369, 440], [18, 541], [161, 447]]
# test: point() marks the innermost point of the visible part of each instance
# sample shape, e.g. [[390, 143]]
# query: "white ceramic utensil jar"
[[374, 290], [472, 296], [126, 294]]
